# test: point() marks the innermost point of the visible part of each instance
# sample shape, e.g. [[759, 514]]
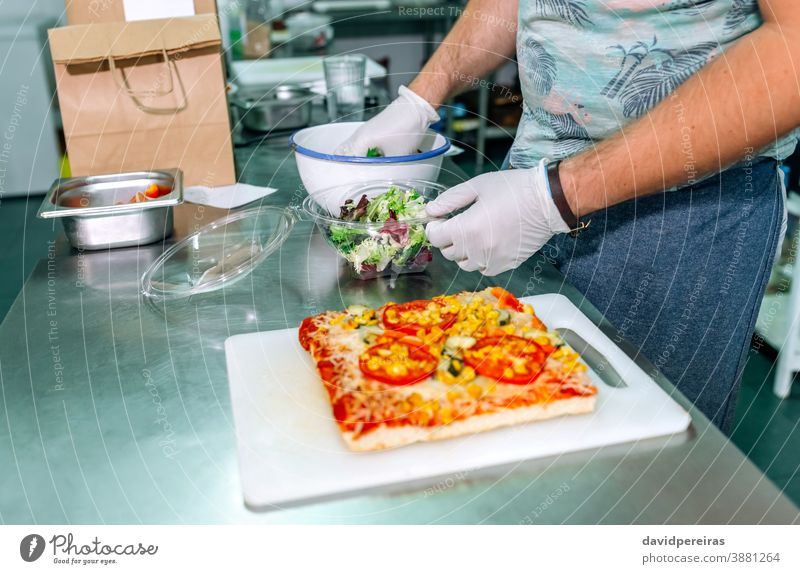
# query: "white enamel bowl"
[[320, 168]]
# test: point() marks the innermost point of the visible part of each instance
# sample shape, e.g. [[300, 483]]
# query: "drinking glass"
[[344, 84]]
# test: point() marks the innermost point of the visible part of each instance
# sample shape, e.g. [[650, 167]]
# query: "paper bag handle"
[[122, 81]]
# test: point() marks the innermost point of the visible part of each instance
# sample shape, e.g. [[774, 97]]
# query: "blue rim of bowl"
[[376, 160]]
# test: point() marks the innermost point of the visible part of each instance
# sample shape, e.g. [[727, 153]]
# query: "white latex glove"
[[397, 130], [511, 216]]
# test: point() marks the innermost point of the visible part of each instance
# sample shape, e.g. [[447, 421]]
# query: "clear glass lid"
[[218, 254]]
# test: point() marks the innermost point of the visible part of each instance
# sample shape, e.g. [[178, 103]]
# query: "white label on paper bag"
[[154, 9]]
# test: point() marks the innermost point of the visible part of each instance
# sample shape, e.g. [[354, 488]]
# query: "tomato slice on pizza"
[[507, 359], [397, 363], [410, 317], [506, 300]]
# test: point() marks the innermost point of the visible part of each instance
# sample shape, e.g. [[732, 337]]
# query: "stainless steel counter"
[[112, 411]]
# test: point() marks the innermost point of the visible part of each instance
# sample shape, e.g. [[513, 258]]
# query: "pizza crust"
[[392, 437]]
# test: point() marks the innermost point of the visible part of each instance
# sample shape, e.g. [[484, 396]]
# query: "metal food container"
[[281, 108], [97, 211]]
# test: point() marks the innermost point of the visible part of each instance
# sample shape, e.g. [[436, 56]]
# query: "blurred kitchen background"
[[272, 42]]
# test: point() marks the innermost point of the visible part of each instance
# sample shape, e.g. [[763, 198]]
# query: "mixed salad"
[[399, 242], [378, 152]]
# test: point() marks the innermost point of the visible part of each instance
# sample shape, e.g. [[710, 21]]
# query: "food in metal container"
[[115, 210], [153, 191]]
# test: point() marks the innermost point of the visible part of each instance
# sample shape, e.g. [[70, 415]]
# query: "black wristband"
[[560, 200]]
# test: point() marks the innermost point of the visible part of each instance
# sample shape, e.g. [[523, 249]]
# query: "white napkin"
[[227, 196]]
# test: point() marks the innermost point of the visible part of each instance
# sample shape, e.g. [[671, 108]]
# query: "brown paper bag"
[[144, 95]]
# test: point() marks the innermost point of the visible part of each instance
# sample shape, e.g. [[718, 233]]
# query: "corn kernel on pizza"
[[444, 367]]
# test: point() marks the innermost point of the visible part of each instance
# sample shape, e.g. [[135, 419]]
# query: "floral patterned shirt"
[[589, 67]]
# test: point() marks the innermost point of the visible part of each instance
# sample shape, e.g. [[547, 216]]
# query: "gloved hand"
[[511, 216], [397, 130]]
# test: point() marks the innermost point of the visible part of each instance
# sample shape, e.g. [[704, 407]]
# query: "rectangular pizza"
[[441, 368]]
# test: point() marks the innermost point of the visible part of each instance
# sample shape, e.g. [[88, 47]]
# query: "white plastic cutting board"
[[290, 449]]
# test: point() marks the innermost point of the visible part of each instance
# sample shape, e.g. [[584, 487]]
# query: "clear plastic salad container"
[[380, 227]]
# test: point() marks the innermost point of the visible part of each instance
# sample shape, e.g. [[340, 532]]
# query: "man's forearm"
[[483, 38], [742, 101]]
